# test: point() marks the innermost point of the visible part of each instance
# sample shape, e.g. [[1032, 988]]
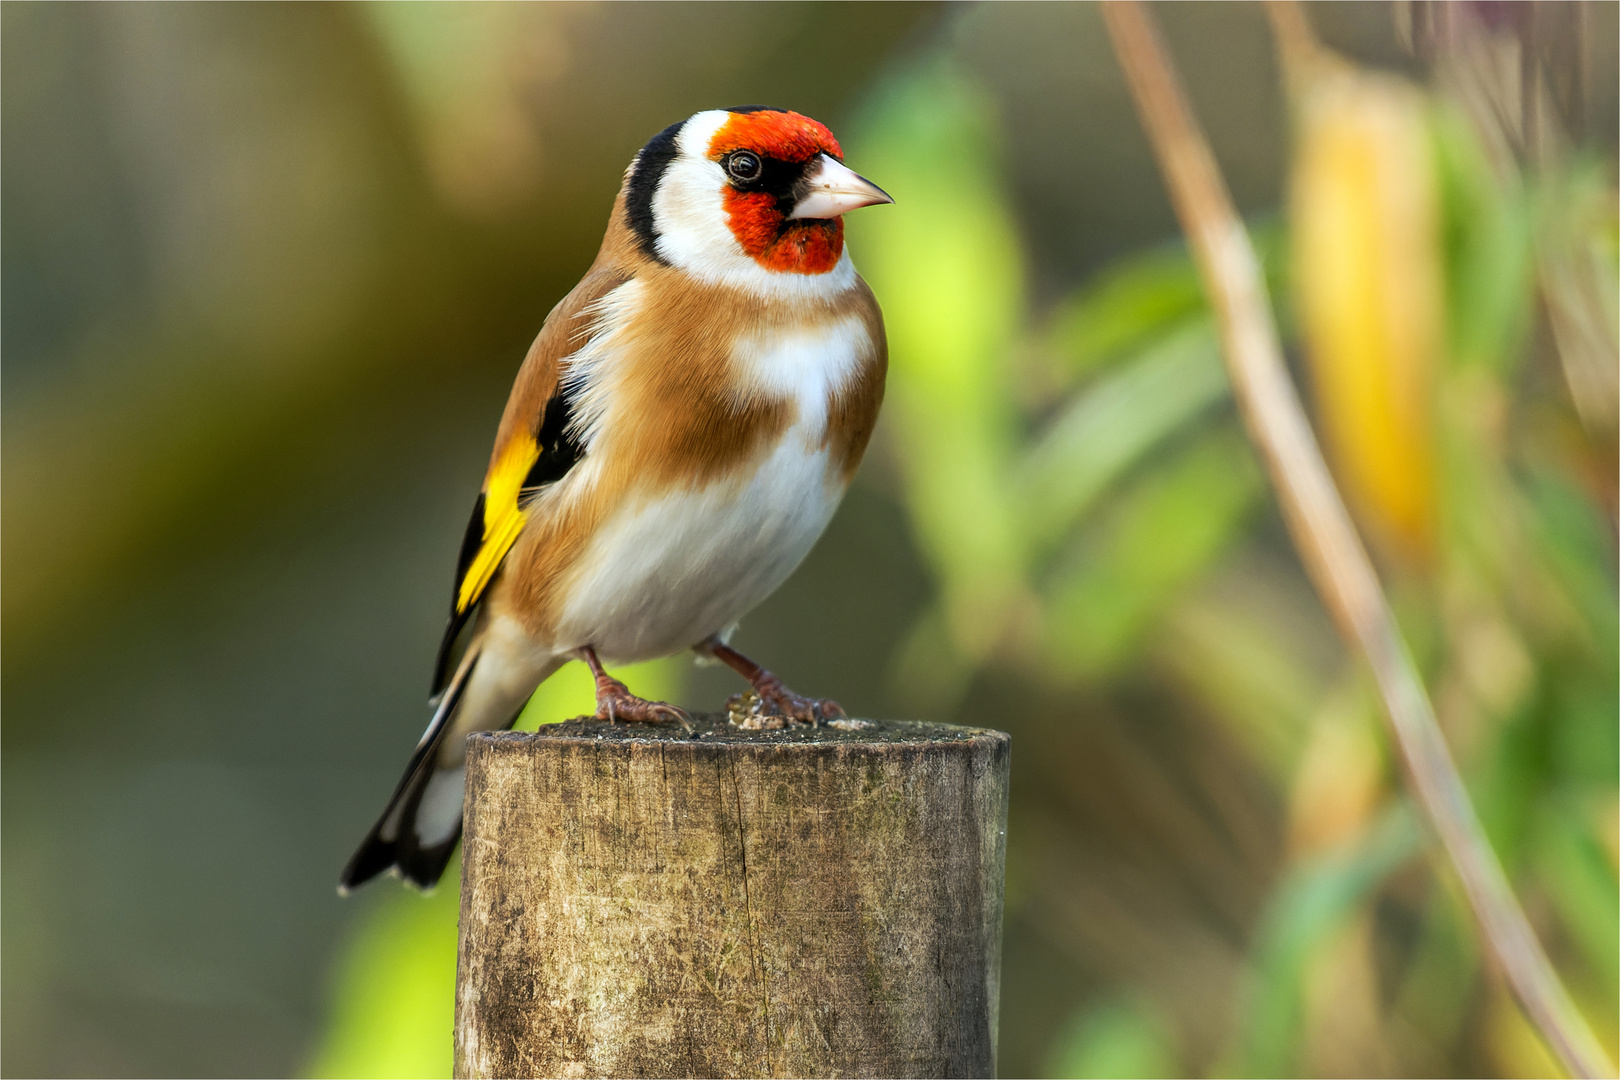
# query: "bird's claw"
[[615, 702], [770, 706]]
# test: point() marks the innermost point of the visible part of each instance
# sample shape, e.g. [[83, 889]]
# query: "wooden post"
[[643, 900]]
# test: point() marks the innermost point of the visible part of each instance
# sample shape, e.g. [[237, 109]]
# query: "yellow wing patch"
[[503, 521]]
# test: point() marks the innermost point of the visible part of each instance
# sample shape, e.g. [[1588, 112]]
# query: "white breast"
[[805, 364], [664, 573]]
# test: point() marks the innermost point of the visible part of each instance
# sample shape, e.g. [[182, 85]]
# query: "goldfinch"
[[677, 438]]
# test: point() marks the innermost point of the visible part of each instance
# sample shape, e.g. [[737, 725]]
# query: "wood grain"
[[650, 901]]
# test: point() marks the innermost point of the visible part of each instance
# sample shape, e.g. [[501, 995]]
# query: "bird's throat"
[[777, 243]]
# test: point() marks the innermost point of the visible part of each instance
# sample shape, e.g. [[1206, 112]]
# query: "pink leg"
[[777, 699]]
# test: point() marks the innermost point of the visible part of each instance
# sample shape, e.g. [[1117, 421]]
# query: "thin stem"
[[1322, 531]]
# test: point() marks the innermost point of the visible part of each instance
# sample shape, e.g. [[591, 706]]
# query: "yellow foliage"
[[1369, 288]]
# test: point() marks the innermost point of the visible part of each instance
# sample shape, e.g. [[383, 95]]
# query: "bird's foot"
[[770, 706], [615, 702]]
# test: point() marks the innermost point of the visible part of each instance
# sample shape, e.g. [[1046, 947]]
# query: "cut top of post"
[[714, 729]]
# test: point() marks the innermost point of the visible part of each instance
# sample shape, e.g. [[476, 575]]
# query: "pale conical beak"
[[833, 189]]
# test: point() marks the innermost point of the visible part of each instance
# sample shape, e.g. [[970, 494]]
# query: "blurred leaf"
[[1140, 298], [952, 303], [1315, 900], [1113, 423], [1514, 1046], [1512, 775], [1580, 287], [1339, 780], [1586, 739], [928, 672], [1125, 308], [1487, 229], [1245, 671], [1576, 546], [471, 74], [1436, 989], [1116, 1039], [395, 990], [1367, 285], [1583, 889], [1160, 537]]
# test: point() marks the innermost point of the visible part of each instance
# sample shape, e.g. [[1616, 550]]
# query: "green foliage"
[[952, 303], [1120, 489], [1315, 901], [1107, 428], [1130, 305], [1487, 247], [1581, 883], [1164, 533], [394, 998], [1115, 1039], [1016, 507], [1127, 307]]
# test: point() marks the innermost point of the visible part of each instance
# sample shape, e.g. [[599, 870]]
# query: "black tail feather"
[[423, 867], [377, 852]]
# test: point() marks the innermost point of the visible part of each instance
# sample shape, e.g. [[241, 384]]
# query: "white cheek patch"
[[689, 205], [694, 234]]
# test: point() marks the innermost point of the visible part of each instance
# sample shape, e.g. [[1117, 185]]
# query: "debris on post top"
[[648, 900]]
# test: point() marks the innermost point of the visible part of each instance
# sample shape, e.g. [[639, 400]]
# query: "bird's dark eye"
[[744, 166]]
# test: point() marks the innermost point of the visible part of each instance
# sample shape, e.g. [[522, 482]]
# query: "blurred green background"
[[268, 271]]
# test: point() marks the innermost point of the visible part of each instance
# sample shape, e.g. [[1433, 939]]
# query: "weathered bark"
[[647, 901]]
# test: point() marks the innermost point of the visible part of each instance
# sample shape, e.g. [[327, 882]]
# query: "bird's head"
[[745, 195]]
